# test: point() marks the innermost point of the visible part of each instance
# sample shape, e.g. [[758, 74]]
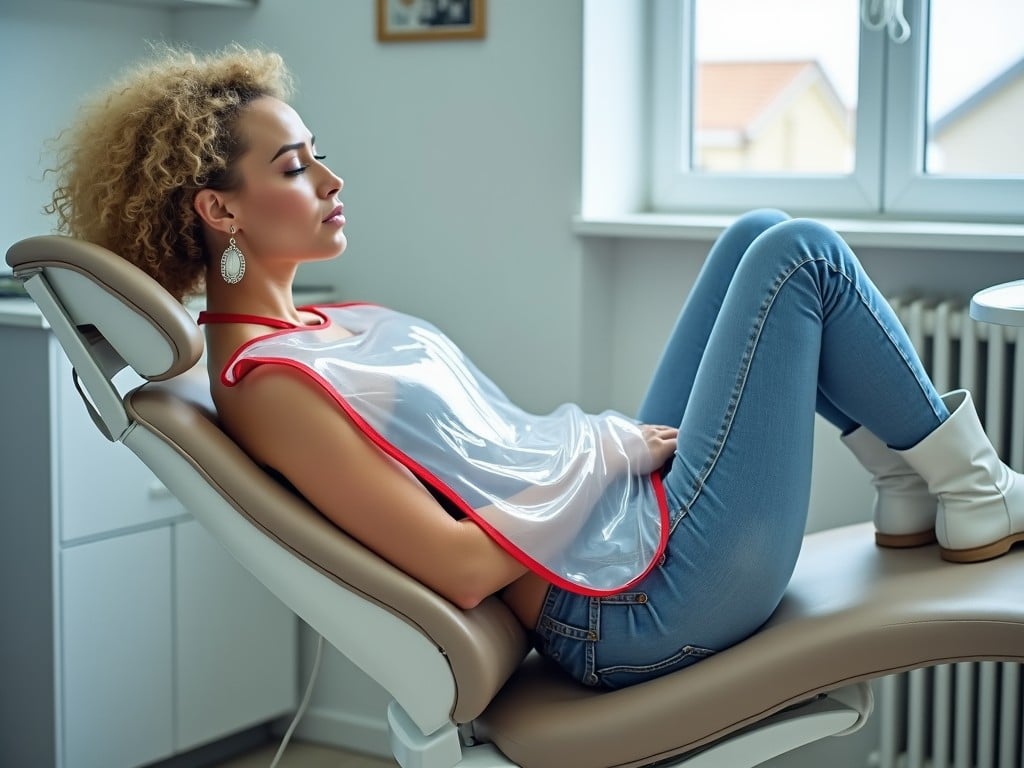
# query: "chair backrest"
[[108, 314]]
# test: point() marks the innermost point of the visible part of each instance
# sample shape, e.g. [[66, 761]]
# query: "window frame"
[[910, 192], [888, 180]]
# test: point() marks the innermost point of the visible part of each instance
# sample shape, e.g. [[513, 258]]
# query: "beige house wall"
[[807, 136], [986, 140]]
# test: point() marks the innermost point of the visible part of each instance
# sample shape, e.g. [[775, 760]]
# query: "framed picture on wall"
[[399, 20]]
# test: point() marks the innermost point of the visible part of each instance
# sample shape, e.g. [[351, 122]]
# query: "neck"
[[253, 295]]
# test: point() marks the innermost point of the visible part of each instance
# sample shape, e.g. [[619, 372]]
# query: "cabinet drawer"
[[116, 640], [102, 486]]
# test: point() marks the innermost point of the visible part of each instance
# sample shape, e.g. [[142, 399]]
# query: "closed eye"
[[302, 168], [296, 171]]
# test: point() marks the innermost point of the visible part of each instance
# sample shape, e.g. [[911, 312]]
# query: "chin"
[[334, 249], [342, 245], [335, 252]]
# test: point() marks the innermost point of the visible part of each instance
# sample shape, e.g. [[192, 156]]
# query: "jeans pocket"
[[622, 675]]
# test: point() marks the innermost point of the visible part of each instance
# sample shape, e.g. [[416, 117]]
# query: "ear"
[[212, 207]]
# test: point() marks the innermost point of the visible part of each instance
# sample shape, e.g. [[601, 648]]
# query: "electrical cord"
[[305, 702]]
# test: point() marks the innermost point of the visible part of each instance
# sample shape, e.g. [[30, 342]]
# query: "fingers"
[[661, 440], [659, 429]]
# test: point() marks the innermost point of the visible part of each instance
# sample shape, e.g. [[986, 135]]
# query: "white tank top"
[[569, 494]]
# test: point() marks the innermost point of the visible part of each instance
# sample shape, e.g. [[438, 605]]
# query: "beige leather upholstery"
[[69, 259], [853, 611]]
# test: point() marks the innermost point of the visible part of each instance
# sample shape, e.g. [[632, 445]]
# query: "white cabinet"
[[116, 650], [229, 643], [129, 634]]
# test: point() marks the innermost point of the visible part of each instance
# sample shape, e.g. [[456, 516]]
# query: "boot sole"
[[905, 540], [978, 554]]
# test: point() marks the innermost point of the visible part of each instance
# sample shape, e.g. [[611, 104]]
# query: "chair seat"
[[853, 612]]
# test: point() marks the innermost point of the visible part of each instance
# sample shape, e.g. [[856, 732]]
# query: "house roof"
[[732, 95]]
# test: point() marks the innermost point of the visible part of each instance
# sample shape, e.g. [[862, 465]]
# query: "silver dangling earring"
[[232, 262]]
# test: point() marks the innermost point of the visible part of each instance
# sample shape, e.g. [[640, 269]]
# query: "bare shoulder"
[[271, 401], [286, 420]]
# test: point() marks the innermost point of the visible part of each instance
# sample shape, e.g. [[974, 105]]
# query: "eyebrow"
[[290, 147]]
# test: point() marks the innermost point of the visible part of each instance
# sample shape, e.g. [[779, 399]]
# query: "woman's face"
[[287, 207]]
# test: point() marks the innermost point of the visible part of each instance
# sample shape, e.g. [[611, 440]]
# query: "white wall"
[[50, 52]]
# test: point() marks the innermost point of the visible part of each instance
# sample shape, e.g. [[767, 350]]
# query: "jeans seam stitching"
[[737, 393]]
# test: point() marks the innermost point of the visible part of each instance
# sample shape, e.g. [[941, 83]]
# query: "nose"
[[332, 184]]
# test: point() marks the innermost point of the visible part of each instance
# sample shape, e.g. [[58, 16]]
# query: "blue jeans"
[[782, 323]]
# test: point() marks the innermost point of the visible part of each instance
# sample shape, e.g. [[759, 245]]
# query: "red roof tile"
[[732, 94]]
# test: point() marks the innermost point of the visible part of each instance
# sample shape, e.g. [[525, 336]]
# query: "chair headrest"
[[96, 287]]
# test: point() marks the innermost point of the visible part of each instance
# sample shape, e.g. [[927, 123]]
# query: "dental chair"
[[465, 689]]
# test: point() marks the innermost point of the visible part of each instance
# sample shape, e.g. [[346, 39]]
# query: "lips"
[[337, 213]]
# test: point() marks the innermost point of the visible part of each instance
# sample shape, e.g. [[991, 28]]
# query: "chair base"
[[838, 713]]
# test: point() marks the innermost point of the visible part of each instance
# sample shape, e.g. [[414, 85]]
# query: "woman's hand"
[[638, 448], [661, 444]]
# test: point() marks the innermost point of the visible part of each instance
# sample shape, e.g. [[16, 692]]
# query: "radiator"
[[966, 715]]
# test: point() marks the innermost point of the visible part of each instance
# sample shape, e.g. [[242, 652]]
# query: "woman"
[[630, 547]]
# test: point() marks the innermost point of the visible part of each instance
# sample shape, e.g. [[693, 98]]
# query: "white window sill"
[[859, 233]]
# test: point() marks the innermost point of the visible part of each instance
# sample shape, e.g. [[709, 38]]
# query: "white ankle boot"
[[904, 508], [981, 500]]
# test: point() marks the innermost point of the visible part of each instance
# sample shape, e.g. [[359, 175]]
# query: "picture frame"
[[418, 20]]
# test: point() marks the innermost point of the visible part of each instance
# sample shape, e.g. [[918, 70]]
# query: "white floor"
[[306, 755]]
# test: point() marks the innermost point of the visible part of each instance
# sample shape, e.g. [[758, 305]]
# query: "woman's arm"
[[285, 420]]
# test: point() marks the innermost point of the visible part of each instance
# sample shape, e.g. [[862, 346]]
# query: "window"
[[775, 103], [975, 98], [797, 103]]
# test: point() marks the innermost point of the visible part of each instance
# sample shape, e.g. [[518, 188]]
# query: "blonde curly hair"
[[130, 167]]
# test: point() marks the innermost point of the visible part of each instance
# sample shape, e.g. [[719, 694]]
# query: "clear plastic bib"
[[569, 494]]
